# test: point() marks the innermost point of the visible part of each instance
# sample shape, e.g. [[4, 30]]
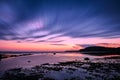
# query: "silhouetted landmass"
[[98, 50]]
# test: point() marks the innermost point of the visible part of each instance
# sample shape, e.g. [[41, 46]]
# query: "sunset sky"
[[58, 25]]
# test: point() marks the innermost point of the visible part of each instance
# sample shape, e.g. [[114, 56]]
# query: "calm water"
[[37, 59]]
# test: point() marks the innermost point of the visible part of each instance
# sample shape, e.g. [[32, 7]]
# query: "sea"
[[41, 58]]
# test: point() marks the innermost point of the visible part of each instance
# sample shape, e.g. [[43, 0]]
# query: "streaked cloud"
[[59, 21], [109, 44]]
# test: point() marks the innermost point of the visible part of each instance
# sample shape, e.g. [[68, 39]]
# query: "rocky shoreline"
[[70, 70]]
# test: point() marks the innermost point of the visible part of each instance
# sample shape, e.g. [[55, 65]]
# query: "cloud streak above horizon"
[[49, 20]]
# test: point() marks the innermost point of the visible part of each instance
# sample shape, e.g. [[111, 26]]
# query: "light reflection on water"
[[37, 59]]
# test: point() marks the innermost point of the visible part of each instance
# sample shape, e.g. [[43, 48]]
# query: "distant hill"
[[98, 50]]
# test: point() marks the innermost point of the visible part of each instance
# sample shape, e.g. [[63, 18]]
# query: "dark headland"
[[98, 50]]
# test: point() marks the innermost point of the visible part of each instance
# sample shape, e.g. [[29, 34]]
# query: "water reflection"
[[37, 59]]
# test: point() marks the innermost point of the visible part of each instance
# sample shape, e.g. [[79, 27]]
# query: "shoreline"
[[4, 56], [88, 69]]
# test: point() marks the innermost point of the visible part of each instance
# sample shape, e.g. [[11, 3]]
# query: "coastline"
[[3, 56], [70, 70]]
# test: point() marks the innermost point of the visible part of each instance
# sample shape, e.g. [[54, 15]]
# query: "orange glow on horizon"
[[69, 44], [27, 46]]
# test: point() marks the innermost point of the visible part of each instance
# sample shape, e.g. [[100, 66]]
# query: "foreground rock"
[[72, 70]]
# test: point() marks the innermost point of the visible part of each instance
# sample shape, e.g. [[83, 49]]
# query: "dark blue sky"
[[46, 20]]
